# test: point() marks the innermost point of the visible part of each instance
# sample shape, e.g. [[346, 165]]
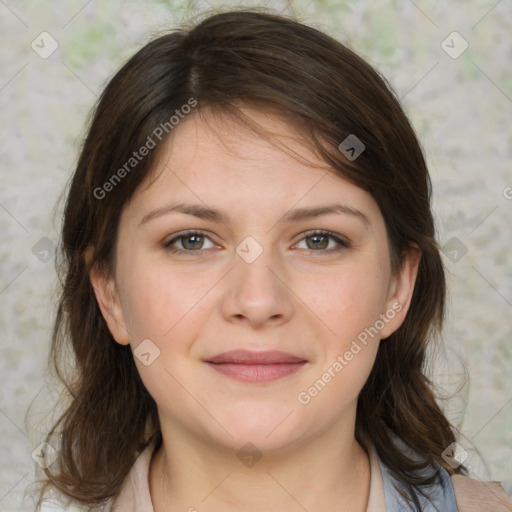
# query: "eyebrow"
[[296, 215]]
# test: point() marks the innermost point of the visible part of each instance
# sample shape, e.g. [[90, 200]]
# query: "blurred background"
[[449, 62]]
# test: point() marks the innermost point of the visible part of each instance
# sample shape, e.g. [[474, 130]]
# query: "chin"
[[268, 428]]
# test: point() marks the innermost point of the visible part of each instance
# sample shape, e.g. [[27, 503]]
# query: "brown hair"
[[244, 56]]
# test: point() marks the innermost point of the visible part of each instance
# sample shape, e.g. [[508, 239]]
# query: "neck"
[[327, 473]]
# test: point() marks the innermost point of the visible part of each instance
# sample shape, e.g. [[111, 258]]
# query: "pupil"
[[191, 237], [316, 237]]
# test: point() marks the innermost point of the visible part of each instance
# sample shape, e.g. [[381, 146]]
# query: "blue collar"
[[441, 495]]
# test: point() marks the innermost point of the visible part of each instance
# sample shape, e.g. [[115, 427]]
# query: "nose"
[[257, 292]]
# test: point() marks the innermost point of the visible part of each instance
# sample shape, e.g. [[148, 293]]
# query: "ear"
[[109, 304], [400, 292]]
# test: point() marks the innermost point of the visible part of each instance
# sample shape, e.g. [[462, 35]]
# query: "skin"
[[294, 297]]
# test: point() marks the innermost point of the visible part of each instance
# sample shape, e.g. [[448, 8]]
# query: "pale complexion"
[[304, 294]]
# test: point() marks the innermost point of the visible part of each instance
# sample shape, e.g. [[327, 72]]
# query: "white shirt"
[[464, 495]]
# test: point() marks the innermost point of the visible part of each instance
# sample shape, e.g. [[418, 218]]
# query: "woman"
[[250, 282]]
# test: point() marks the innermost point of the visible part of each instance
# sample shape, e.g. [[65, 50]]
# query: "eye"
[[191, 241], [318, 241]]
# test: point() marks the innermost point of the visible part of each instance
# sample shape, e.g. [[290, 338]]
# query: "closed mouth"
[[255, 367]]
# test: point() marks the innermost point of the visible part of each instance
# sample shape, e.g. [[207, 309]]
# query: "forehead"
[[211, 157], [252, 135]]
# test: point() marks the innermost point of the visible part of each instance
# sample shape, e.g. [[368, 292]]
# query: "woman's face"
[[257, 275]]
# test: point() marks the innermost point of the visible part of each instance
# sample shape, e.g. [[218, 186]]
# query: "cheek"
[[167, 307], [347, 300], [349, 304], [160, 302]]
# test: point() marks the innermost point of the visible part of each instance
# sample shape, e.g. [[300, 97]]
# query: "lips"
[[250, 366], [249, 357]]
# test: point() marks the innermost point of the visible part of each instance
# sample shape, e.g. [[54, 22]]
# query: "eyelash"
[[342, 244]]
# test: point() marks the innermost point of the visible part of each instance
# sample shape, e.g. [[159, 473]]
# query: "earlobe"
[[402, 290], [109, 304]]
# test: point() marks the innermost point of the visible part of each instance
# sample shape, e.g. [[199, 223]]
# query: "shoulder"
[[56, 501], [476, 496], [59, 504], [134, 494], [455, 493]]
